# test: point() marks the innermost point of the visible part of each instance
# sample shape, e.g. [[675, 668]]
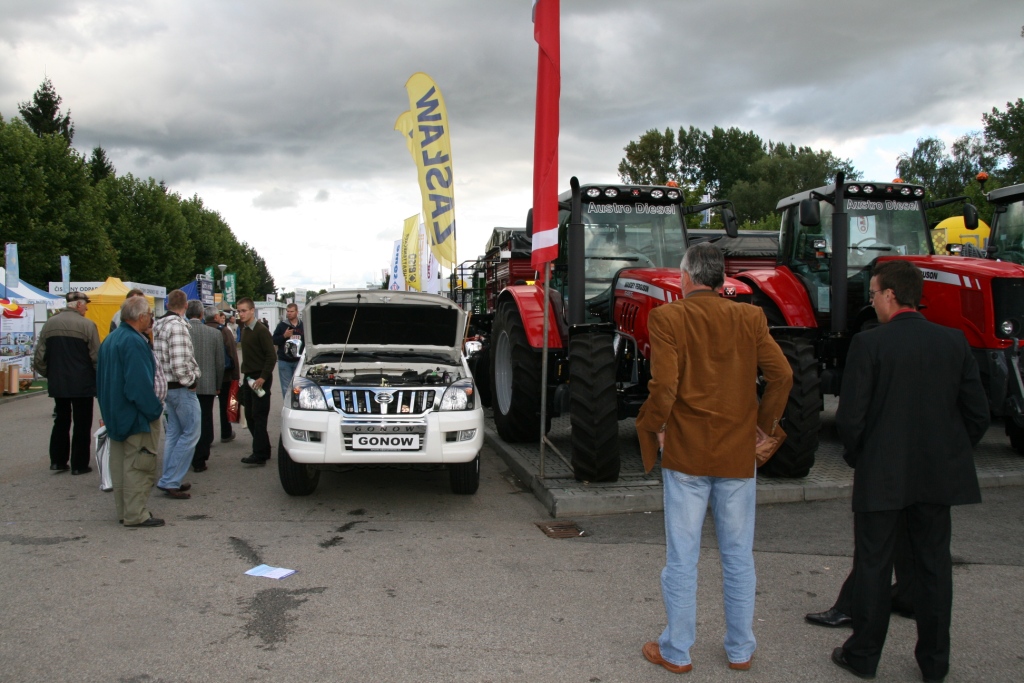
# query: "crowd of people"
[[703, 419], [156, 381]]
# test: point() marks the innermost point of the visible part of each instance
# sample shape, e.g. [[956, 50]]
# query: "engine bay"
[[414, 376]]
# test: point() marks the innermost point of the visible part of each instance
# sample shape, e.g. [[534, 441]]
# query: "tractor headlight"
[[459, 396], [307, 395], [1007, 327]]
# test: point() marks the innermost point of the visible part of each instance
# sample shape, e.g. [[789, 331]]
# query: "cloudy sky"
[[280, 114]]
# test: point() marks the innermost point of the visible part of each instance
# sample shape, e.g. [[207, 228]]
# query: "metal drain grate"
[[561, 529]]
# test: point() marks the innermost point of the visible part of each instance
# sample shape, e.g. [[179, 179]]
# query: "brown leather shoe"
[[652, 653], [741, 666], [183, 487], [177, 493]]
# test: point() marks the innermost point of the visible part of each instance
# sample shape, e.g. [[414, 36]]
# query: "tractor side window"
[[1010, 234]]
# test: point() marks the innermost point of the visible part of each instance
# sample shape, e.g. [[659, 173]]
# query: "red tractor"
[[620, 247], [816, 298]]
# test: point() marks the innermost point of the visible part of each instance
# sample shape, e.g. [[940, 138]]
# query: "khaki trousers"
[[133, 473]]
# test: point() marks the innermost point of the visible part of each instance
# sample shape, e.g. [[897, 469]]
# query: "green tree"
[[49, 207], [1004, 132], [43, 113], [148, 231], [100, 166], [262, 282], [651, 160], [949, 175]]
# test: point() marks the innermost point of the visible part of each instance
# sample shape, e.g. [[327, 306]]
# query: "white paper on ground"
[[270, 572]]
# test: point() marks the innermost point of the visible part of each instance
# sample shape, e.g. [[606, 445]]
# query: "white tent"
[[25, 293]]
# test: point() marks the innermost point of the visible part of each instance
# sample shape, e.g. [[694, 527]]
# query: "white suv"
[[382, 379]]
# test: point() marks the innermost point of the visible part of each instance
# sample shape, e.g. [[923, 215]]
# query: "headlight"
[[1007, 327], [459, 396], [307, 395]]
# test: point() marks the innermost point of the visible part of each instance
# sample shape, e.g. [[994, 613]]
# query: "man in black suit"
[[911, 409]]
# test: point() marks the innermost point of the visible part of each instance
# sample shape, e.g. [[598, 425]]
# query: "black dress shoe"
[[182, 487], [225, 439], [839, 659], [904, 611], [253, 460], [831, 617], [54, 467], [152, 521], [199, 468], [84, 470]]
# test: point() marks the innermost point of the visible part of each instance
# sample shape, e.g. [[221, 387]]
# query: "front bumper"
[[336, 432]]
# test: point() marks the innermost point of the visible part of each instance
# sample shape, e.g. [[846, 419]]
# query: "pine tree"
[[100, 166], [43, 114]]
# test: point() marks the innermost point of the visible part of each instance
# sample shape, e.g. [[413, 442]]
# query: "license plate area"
[[385, 442]]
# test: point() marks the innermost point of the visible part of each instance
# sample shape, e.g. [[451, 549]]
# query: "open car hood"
[[383, 320]]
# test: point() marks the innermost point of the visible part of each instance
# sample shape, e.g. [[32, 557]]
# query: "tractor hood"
[[383, 320]]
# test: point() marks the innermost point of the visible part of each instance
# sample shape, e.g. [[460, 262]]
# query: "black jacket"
[[911, 409], [66, 355]]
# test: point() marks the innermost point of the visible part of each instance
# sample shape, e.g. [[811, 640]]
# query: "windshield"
[[1009, 233], [618, 236], [877, 228]]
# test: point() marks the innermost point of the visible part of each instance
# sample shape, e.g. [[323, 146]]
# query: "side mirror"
[[970, 217], [732, 227], [810, 213], [529, 223]]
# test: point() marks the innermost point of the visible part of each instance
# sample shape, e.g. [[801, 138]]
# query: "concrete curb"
[[20, 395]]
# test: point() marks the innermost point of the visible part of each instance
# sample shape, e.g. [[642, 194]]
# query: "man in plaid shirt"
[[173, 347]]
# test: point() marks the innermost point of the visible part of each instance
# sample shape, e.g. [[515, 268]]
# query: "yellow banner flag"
[[411, 253], [405, 125], [431, 149]]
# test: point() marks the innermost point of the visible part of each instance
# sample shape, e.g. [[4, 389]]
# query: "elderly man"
[[704, 413], [257, 376], [912, 459], [172, 343], [131, 410], [208, 346], [217, 320], [66, 355]]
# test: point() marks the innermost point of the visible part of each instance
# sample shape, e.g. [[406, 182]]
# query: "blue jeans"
[[733, 502], [285, 372], [184, 421]]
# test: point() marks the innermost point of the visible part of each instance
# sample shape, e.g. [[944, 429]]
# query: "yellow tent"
[[105, 301], [952, 231]]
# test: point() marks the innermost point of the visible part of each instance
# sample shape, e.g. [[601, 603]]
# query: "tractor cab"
[[882, 219], [1007, 240]]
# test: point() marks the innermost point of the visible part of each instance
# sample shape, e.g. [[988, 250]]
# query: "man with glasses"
[[66, 354], [258, 359], [911, 409]]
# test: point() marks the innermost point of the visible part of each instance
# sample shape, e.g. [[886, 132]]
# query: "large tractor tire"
[[480, 366], [1016, 434], [593, 406], [296, 478], [802, 418], [515, 378]]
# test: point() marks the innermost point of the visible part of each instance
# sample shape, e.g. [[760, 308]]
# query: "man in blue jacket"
[[131, 412]]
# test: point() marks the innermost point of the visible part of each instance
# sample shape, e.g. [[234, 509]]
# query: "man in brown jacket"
[[704, 414]]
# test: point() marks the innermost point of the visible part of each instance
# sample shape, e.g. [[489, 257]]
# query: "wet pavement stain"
[[32, 540], [246, 551], [348, 526], [269, 619], [331, 542]]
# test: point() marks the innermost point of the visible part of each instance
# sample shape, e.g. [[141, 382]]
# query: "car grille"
[[384, 401]]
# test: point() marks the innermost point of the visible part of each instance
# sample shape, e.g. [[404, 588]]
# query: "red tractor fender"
[[786, 291], [529, 300]]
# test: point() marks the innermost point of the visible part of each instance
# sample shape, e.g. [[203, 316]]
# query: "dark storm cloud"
[[269, 91]]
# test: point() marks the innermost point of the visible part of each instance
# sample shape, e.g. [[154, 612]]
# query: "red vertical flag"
[[545, 137]]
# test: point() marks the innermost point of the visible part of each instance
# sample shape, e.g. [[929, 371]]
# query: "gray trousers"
[[133, 473]]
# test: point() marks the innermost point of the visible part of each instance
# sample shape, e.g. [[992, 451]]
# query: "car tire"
[[296, 478], [464, 477], [1016, 434]]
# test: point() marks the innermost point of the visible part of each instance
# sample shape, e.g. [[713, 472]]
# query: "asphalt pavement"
[[400, 580]]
